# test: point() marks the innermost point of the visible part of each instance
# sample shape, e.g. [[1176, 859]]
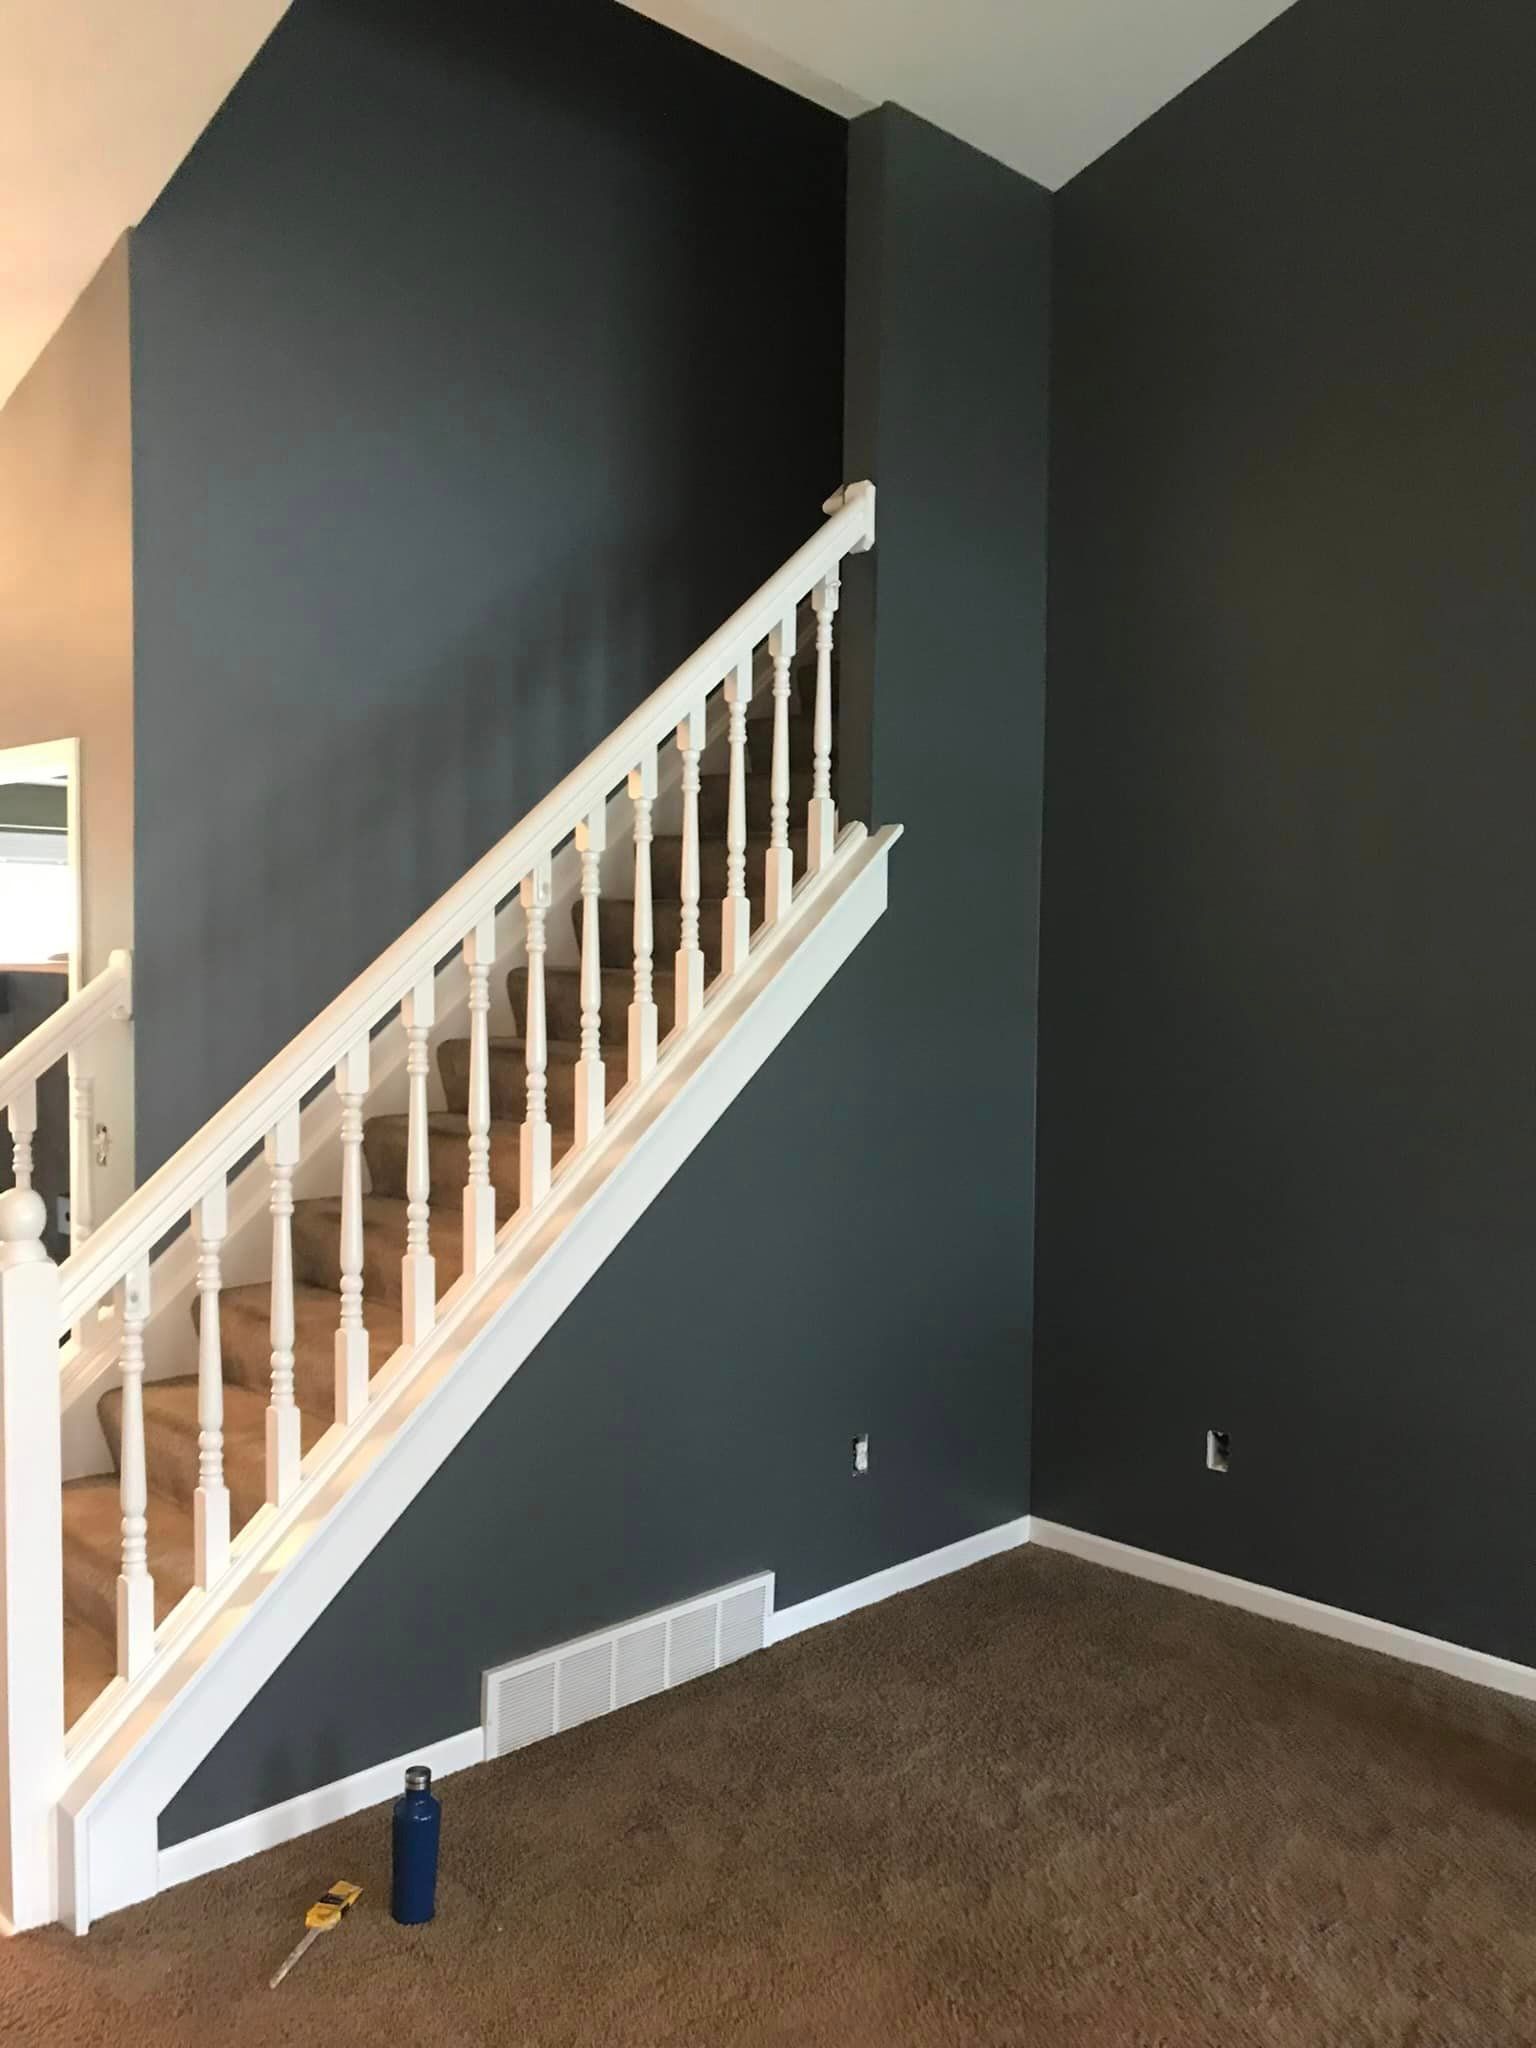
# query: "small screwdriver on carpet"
[[323, 1915]]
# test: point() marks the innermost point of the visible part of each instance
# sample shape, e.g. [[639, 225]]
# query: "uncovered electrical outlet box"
[[1218, 1450]]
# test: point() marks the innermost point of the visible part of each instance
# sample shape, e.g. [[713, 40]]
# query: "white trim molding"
[[251, 1834], [274, 1825], [1477, 1667], [307, 1811], [897, 1578]]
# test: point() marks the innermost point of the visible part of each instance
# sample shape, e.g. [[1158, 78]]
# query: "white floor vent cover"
[[563, 1687]]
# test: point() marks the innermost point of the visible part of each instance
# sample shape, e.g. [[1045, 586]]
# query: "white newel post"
[[351, 1354], [689, 966], [535, 1149], [284, 1449], [210, 1503], [591, 1082], [735, 910], [21, 1115], [418, 1268], [822, 816], [642, 1011], [31, 1566], [135, 1587], [479, 1193], [779, 862]]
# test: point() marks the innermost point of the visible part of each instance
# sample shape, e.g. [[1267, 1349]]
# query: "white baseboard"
[[254, 1832], [1477, 1667], [276, 1824], [897, 1578]]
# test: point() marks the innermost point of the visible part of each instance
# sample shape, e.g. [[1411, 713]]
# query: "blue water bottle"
[[418, 1822]]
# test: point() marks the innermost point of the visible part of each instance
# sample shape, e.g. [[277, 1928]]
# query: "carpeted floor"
[[1035, 1804]]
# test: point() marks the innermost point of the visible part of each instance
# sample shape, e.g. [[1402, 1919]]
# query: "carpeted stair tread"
[[93, 1553], [245, 1338], [90, 1665], [170, 1441], [386, 1139], [562, 1003], [509, 1079], [317, 1244]]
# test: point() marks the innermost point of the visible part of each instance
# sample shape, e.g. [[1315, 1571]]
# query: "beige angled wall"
[[66, 625]]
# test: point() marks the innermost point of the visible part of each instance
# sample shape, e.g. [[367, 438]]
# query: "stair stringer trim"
[[161, 1729]]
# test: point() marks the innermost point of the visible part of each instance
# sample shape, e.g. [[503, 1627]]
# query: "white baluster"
[[284, 1448], [31, 1566], [351, 1350], [135, 1587], [210, 1503], [642, 1011], [418, 1268], [534, 1144], [82, 1161], [690, 961], [779, 864], [591, 1082], [22, 1118], [822, 815], [479, 1193], [735, 910]]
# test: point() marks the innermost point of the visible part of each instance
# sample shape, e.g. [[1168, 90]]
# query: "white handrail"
[[169, 1195], [107, 995]]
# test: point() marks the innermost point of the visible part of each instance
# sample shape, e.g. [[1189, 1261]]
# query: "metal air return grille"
[[561, 1688]]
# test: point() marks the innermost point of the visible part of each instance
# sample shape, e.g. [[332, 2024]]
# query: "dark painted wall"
[[1288, 1132], [485, 357], [849, 1249]]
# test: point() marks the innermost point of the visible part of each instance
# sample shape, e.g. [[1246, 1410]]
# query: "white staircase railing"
[[39, 1304], [107, 998]]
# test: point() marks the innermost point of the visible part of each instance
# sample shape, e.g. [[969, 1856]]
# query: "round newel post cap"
[[23, 1215]]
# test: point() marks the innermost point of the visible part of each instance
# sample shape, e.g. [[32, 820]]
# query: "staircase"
[[92, 1509], [430, 1191]]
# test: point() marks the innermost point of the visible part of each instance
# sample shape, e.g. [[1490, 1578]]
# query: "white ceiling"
[[101, 99], [99, 102], [1043, 85]]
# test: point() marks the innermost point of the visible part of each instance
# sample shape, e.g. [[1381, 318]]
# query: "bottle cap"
[[418, 1778]]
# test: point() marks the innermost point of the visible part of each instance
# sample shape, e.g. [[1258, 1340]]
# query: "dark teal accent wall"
[[1288, 1132]]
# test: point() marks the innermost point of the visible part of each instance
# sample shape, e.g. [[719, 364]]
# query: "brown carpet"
[[1036, 1804]]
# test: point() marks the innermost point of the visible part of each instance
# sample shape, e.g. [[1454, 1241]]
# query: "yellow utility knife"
[[323, 1915]]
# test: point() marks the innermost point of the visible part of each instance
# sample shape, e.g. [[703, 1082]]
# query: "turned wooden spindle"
[[210, 1503], [642, 1011], [479, 1192], [821, 817], [283, 1446], [735, 910], [135, 1587], [351, 1348], [689, 966], [779, 862], [418, 1269], [534, 1148], [591, 1081]]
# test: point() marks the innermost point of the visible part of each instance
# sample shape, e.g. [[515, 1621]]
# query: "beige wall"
[[66, 626]]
